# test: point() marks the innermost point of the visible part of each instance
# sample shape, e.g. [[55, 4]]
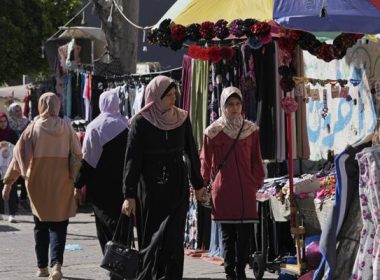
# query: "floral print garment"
[[363, 268]]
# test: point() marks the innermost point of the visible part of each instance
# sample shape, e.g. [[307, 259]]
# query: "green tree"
[[24, 26]]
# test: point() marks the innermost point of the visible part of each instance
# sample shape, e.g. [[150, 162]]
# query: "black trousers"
[[236, 247], [53, 235]]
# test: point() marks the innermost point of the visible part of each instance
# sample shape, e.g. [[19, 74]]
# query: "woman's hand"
[[78, 196], [200, 194], [129, 207], [6, 191]]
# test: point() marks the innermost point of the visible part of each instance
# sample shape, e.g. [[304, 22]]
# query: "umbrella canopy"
[[84, 32], [186, 12], [356, 16], [88, 33]]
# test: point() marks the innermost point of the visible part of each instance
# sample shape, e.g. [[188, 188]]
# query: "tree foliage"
[[24, 26]]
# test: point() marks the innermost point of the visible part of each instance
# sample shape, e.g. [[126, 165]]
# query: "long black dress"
[[104, 186], [157, 176]]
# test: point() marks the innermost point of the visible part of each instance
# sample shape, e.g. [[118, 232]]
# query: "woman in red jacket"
[[234, 186]]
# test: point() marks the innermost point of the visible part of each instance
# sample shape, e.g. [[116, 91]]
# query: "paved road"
[[17, 258]]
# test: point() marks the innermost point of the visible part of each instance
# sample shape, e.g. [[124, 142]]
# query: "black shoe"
[[229, 277], [241, 276]]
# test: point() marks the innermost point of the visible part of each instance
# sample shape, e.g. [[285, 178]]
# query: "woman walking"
[[231, 158], [8, 139], [41, 156], [18, 123], [156, 184], [104, 148]]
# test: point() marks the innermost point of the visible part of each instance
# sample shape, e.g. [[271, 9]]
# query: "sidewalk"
[[82, 256]]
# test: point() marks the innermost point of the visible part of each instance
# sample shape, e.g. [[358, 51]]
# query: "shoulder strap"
[[220, 165]]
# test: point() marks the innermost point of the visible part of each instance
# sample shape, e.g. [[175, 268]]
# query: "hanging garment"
[[87, 97], [363, 268], [264, 59], [367, 264], [98, 86], [67, 95], [185, 102], [122, 93], [199, 92], [138, 100], [347, 178], [248, 83], [76, 93]]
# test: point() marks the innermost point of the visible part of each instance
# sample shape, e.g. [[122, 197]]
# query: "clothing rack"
[[143, 77]]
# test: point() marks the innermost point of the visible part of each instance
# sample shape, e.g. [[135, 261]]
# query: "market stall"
[[212, 38]]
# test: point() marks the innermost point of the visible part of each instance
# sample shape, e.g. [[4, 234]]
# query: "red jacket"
[[234, 188]]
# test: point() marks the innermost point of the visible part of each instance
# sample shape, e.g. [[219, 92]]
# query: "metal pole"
[[92, 52]]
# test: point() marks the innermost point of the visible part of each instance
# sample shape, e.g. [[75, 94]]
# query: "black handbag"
[[207, 199], [120, 259]]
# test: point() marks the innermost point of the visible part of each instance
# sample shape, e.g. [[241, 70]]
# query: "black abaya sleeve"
[[84, 175], [192, 152], [133, 160]]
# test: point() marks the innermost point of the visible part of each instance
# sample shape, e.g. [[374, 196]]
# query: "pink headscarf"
[[230, 125], [49, 105], [154, 110]]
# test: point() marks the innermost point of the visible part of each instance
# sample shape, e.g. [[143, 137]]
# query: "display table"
[[314, 213]]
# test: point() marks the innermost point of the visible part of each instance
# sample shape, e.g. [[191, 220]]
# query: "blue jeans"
[[51, 234]]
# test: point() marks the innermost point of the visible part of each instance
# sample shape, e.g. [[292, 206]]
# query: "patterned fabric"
[[347, 185], [367, 263], [191, 224]]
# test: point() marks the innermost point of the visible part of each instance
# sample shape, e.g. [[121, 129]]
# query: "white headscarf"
[[230, 125], [105, 127], [16, 123]]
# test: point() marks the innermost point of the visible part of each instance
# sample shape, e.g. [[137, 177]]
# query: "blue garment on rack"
[[328, 238]]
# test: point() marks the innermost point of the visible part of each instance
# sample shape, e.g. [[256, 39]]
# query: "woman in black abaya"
[[156, 183]]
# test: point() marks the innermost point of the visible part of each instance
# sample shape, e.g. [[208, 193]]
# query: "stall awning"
[[186, 12]]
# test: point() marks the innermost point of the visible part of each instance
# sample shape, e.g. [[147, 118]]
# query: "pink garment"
[[185, 101], [234, 188], [154, 111], [87, 96], [26, 101]]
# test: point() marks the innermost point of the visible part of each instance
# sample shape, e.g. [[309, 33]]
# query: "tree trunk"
[[121, 36]]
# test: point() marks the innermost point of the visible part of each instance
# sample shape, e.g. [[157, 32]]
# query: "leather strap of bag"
[[220, 165], [130, 235]]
